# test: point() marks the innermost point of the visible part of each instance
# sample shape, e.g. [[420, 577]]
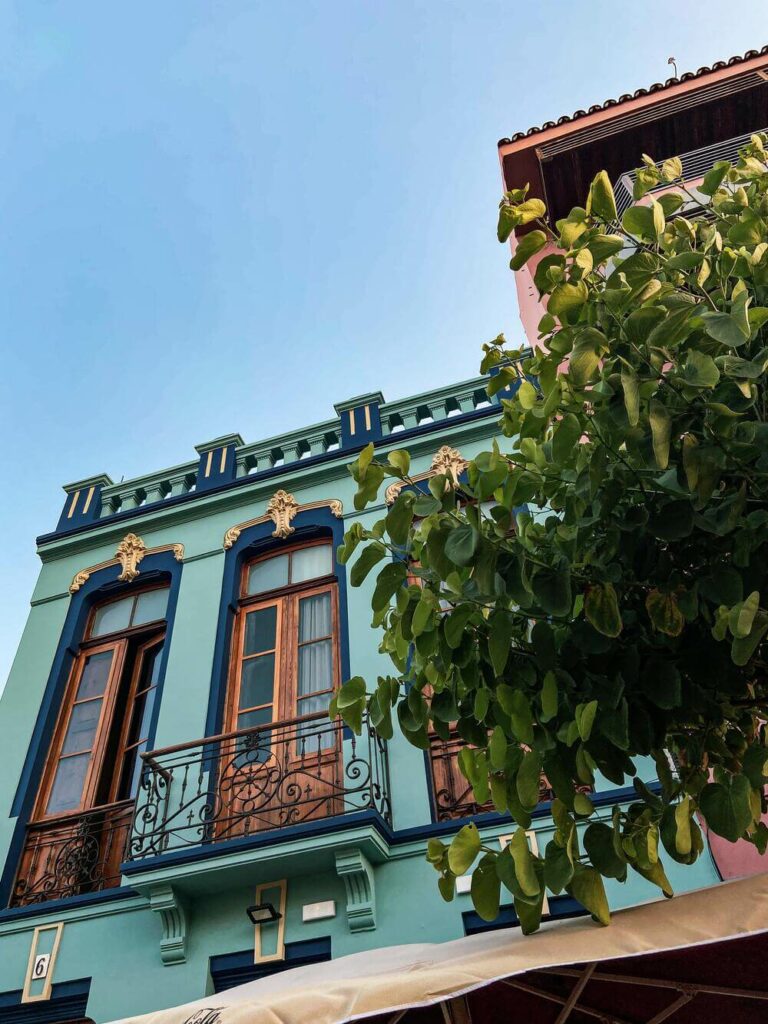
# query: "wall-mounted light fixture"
[[263, 913]]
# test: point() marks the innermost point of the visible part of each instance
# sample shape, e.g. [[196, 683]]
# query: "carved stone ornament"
[[130, 552], [447, 460], [281, 509]]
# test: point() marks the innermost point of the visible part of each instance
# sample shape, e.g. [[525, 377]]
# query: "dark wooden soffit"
[[560, 163]]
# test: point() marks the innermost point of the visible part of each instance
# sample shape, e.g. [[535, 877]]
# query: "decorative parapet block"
[[360, 419], [218, 463], [447, 460], [282, 507], [83, 502], [354, 869], [130, 551], [174, 916]]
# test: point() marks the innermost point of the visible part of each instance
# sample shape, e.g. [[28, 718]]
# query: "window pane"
[[260, 629], [82, 727], [250, 719], [257, 683], [67, 790], [129, 780], [268, 575], [150, 668], [315, 668], [314, 617], [150, 607], [111, 617], [313, 737], [93, 681], [309, 563]]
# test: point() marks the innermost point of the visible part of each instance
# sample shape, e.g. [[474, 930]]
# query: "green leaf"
[[399, 518], [726, 806], [369, 557], [527, 395], [587, 887], [351, 692], [486, 888], [515, 704], [549, 697], [567, 299], [601, 201], [529, 780], [558, 869], [638, 220], [699, 370], [672, 168], [447, 886], [531, 209], [455, 625], [755, 766], [528, 246], [723, 328], [664, 612], [661, 426], [631, 396], [524, 863], [585, 718], [499, 640], [461, 544], [742, 615], [598, 842], [552, 589], [497, 748], [743, 648], [714, 178], [463, 850], [601, 609], [401, 460]]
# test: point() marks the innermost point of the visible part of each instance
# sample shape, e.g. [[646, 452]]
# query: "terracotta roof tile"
[[656, 87]]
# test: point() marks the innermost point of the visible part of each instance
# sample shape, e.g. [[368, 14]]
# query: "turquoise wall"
[[116, 941]]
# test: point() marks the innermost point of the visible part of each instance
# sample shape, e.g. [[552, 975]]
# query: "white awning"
[[393, 979]]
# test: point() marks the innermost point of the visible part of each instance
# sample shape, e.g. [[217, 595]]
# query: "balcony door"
[[77, 837], [281, 760]]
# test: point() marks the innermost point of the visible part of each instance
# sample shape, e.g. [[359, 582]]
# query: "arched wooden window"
[[285, 657], [81, 819]]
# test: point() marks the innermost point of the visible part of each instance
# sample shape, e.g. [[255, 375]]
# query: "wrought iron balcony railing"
[[255, 780], [73, 855]]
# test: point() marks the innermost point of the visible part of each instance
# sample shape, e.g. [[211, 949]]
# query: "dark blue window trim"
[[560, 908], [232, 969], [68, 1002], [312, 524], [103, 583]]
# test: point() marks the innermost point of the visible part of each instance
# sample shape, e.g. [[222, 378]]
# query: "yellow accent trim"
[[281, 512], [533, 844], [75, 496], [352, 422], [128, 555], [87, 504], [26, 996], [367, 411], [282, 885], [223, 462], [208, 463]]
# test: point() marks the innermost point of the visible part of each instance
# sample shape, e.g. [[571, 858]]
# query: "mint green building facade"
[[146, 906]]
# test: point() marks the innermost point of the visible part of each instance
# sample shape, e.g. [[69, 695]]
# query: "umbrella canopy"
[[693, 958]]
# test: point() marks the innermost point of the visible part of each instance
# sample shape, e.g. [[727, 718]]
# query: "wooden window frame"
[[158, 639], [119, 648], [286, 598], [118, 641]]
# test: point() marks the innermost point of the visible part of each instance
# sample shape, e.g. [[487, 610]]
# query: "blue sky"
[[226, 216]]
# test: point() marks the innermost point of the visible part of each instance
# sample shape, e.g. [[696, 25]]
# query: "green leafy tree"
[[596, 590]]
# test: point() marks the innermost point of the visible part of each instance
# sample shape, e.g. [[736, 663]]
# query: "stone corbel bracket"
[[354, 869], [447, 460], [174, 916], [282, 507], [130, 551]]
